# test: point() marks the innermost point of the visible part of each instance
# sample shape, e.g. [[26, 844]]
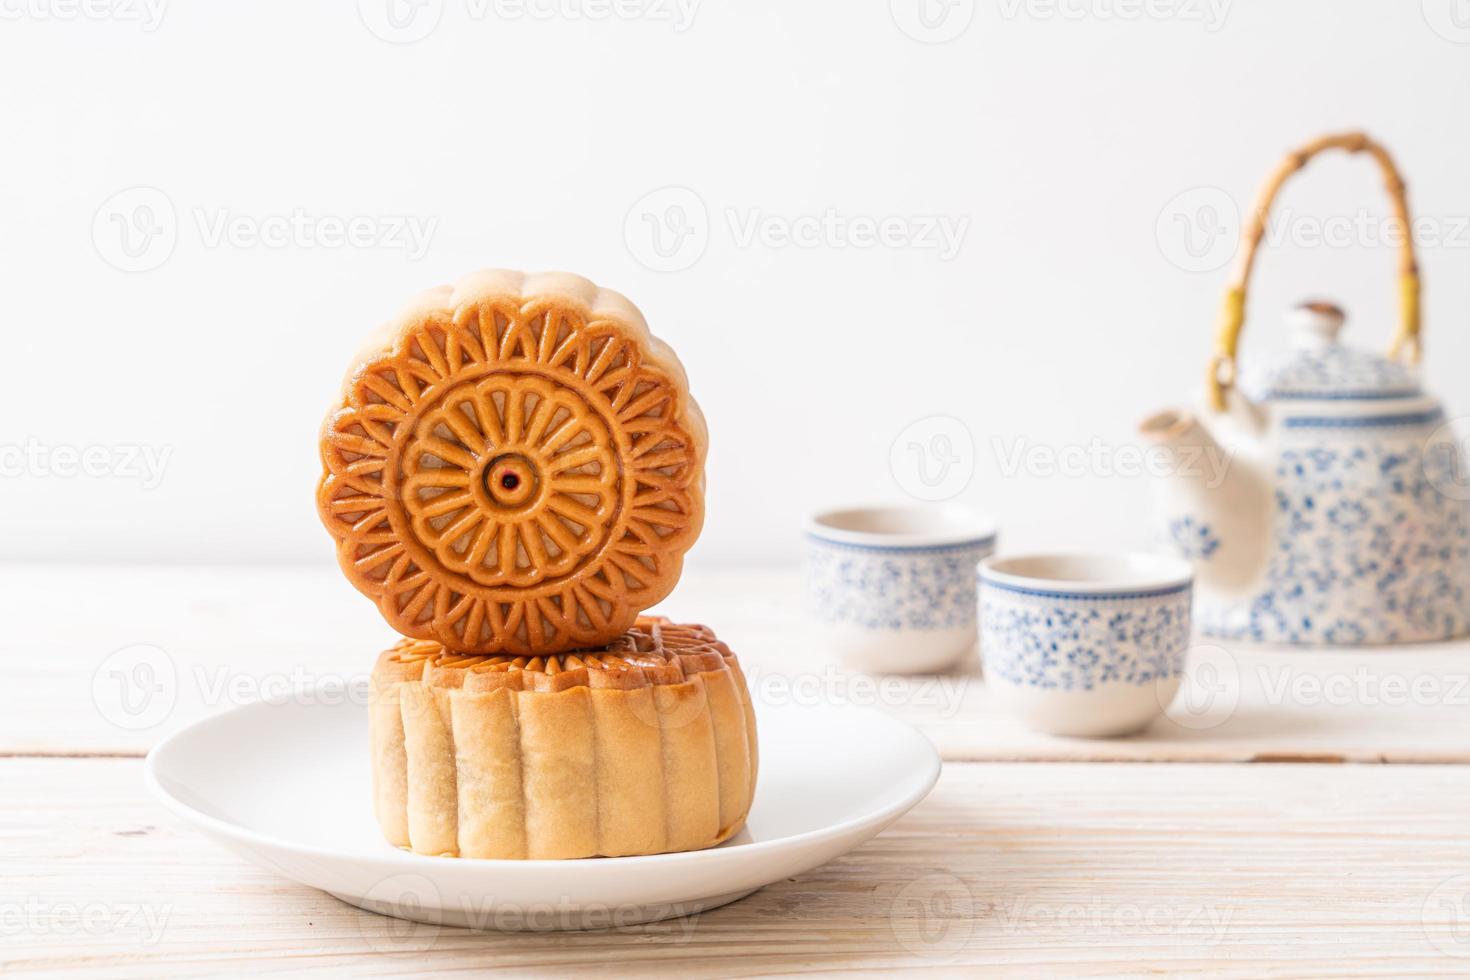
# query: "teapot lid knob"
[[1315, 324]]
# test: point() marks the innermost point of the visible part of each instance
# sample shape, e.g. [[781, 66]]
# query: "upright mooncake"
[[515, 465], [642, 746]]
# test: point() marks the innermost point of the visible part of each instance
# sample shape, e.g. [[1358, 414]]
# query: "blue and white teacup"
[[1089, 645], [892, 589]]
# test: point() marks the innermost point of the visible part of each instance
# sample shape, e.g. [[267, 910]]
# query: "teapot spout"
[[1192, 450], [1216, 501]]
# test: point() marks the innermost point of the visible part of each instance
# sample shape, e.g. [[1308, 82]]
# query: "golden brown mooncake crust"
[[515, 465], [643, 746]]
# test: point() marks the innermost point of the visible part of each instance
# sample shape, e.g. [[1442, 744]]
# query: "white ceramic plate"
[[286, 785]]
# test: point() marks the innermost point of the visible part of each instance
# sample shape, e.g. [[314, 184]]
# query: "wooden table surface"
[[1301, 813]]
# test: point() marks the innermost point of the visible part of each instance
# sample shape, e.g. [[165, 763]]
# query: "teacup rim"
[[1135, 574], [960, 528]]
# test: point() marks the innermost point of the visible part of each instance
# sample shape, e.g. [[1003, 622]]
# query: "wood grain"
[[1026, 870], [229, 635]]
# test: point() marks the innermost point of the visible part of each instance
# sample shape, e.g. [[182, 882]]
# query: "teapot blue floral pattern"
[[1359, 517], [1343, 516]]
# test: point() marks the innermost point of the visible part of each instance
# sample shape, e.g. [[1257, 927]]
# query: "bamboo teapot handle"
[[1222, 371]]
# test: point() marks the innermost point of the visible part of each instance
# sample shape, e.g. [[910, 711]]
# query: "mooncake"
[[514, 466], [641, 746]]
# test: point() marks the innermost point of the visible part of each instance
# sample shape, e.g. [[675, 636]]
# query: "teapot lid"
[[1319, 367]]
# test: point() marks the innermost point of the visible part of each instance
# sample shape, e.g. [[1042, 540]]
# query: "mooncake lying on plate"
[[641, 746]]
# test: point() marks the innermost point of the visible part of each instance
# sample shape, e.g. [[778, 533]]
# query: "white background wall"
[[1061, 135]]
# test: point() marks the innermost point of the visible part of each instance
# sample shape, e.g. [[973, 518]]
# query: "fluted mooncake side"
[[644, 746]]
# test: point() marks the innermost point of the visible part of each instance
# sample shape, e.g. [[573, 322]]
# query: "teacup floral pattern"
[[894, 588], [1059, 641]]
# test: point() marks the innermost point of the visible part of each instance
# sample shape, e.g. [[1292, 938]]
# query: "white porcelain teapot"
[[1324, 499]]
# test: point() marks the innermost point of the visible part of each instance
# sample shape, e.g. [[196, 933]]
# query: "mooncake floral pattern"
[[1073, 642], [1366, 549], [513, 475], [893, 588]]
